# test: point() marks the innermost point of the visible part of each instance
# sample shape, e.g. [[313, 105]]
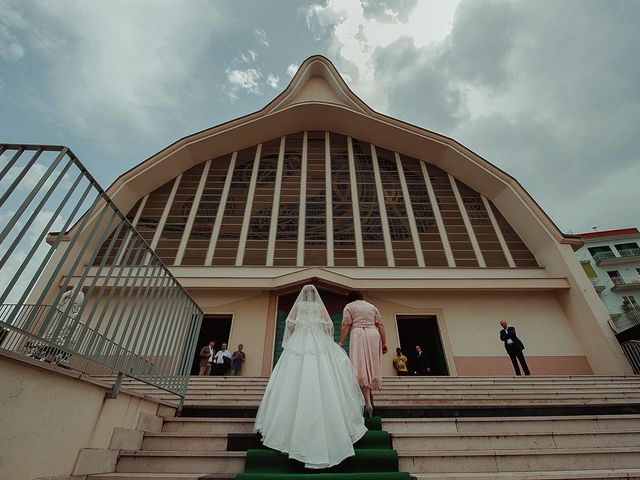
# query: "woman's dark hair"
[[353, 296]]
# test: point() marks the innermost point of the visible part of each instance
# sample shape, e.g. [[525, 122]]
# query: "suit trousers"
[[205, 369], [515, 354]]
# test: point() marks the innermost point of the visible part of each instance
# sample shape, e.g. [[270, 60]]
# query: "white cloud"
[[273, 80], [244, 79], [292, 69], [262, 37], [249, 57], [104, 73], [11, 48]]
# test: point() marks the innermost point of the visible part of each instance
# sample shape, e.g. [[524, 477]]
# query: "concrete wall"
[[48, 417]]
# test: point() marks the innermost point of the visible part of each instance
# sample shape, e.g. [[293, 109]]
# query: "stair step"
[[590, 423], [550, 475], [195, 461], [486, 461]]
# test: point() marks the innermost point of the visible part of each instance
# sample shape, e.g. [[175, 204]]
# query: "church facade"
[[319, 188]]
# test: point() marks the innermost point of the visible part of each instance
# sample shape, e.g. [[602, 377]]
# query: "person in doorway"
[[514, 347], [421, 363], [400, 363], [237, 359], [368, 343], [221, 360], [206, 358]]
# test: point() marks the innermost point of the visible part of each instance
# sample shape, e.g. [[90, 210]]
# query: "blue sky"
[[548, 91]]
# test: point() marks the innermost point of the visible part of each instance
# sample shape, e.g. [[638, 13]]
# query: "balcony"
[[621, 285], [624, 321], [597, 285], [610, 258]]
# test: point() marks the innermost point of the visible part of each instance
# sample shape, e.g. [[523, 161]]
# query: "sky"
[[547, 90]]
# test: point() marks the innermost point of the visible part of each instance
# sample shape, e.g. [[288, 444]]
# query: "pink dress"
[[365, 344]]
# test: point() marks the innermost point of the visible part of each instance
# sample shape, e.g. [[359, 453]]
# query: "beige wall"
[[469, 325], [48, 417], [249, 310]]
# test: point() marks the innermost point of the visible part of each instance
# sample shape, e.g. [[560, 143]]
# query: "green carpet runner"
[[374, 460]]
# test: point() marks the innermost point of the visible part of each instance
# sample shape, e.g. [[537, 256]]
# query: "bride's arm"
[[290, 322]]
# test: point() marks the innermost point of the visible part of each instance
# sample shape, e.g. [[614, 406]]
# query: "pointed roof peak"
[[317, 80]]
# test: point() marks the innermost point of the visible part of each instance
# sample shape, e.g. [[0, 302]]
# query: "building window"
[[629, 302], [588, 269], [615, 277], [628, 249], [598, 253]]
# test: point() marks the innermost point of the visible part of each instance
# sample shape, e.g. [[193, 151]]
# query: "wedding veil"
[[308, 308]]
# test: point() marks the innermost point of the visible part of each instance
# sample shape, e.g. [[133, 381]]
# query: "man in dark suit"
[[421, 364], [514, 347], [206, 358]]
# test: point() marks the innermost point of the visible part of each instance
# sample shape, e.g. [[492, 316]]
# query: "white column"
[[467, 222], [220, 213], [165, 213], [135, 221], [411, 218], [328, 193], [357, 228], [503, 242], [273, 226], [451, 261], [302, 211], [247, 209], [192, 214], [384, 220]]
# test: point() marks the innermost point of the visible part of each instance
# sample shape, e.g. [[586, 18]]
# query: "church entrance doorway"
[[335, 302], [214, 327], [422, 330]]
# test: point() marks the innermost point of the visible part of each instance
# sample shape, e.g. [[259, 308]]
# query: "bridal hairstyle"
[[353, 296], [308, 308]]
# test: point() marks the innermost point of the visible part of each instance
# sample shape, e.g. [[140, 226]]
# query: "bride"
[[312, 406]]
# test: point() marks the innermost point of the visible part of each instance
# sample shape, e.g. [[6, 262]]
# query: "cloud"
[[11, 48], [545, 90], [292, 69], [262, 37], [245, 79], [273, 80]]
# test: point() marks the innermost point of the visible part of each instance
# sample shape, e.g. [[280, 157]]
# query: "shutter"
[[588, 269]]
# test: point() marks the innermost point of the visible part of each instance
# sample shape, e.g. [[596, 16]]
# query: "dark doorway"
[[422, 330], [214, 327], [334, 301]]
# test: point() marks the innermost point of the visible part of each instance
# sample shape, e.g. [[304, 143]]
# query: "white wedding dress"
[[312, 406]]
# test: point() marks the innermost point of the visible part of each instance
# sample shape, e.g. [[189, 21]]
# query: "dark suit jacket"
[[422, 363], [205, 353], [511, 334]]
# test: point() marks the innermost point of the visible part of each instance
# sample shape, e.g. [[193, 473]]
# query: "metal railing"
[[631, 349], [94, 296], [629, 317], [599, 256], [630, 252]]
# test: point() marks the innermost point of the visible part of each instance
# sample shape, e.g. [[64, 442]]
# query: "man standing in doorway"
[[422, 366], [237, 359], [514, 347], [400, 363], [221, 360], [206, 358]]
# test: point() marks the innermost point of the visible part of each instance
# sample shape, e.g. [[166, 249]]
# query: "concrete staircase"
[[545, 446]]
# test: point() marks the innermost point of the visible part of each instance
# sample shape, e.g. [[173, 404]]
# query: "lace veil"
[[308, 309]]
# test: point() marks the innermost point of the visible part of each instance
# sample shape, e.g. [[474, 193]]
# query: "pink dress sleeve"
[[377, 318], [347, 318]]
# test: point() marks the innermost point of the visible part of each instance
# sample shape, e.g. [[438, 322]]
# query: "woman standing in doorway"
[[361, 320]]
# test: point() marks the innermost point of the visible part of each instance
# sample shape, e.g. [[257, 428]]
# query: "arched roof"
[[317, 98]]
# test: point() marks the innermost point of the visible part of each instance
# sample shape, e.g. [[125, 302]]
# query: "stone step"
[[617, 474], [194, 461], [505, 425], [208, 425], [160, 476], [519, 460], [177, 441], [516, 441]]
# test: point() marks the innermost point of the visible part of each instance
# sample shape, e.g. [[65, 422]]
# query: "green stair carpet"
[[374, 460]]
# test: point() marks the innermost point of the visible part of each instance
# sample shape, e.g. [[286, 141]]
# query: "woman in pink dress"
[[367, 344]]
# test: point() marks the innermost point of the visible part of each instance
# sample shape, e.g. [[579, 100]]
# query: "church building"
[[318, 188]]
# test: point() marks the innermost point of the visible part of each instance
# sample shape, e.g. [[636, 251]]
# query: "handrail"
[[129, 317]]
